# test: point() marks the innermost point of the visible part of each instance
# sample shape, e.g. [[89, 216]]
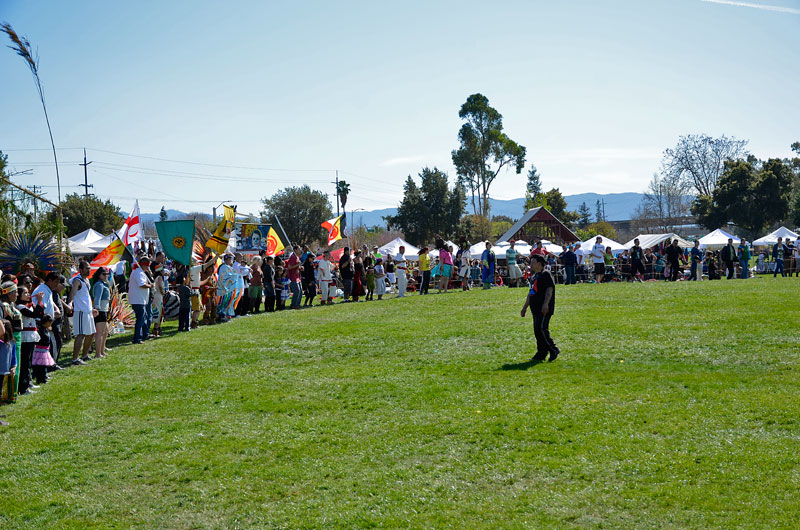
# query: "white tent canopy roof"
[[651, 240], [87, 237], [772, 238], [393, 247], [717, 239], [435, 253], [616, 248]]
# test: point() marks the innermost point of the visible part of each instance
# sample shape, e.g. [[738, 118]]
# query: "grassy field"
[[671, 406]]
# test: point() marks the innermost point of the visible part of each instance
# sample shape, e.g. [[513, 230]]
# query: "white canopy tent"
[[772, 238], [435, 253], [651, 240], [616, 248], [717, 239], [77, 249], [87, 237], [393, 247], [102, 243]]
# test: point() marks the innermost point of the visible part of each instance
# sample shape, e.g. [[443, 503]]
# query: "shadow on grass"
[[521, 366]]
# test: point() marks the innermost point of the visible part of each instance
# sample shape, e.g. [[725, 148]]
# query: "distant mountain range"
[[618, 207]]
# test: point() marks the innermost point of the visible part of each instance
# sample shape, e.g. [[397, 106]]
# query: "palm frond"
[[16, 248]]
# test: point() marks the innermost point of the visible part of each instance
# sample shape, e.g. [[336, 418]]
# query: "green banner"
[[177, 238]]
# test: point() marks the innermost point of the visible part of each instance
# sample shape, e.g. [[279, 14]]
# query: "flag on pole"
[[335, 228], [274, 243], [177, 238], [132, 228], [111, 255], [219, 241]]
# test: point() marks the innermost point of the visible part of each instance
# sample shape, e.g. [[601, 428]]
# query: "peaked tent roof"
[[717, 239], [772, 238], [616, 248], [393, 247], [539, 223], [78, 249], [87, 237], [651, 240]]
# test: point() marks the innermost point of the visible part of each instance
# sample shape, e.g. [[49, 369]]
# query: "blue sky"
[[594, 89]]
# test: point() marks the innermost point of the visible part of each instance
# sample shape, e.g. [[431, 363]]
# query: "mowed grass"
[[672, 406]]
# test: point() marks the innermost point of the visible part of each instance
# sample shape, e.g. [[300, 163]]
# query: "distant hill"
[[618, 207]]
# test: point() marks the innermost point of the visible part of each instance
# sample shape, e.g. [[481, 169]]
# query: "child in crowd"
[[8, 363], [42, 359], [284, 293], [380, 279], [185, 297], [30, 337]]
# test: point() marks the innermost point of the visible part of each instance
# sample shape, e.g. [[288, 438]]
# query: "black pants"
[[426, 281], [637, 267], [731, 269], [183, 318], [244, 305], [310, 290], [674, 267], [347, 287], [269, 304], [40, 374], [541, 329], [25, 356]]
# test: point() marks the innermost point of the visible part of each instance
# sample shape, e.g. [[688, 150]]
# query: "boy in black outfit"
[[185, 296], [542, 301]]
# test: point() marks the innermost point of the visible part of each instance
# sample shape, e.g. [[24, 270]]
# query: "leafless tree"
[[698, 160], [665, 202]]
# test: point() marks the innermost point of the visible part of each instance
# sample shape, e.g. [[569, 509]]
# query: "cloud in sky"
[[765, 7]]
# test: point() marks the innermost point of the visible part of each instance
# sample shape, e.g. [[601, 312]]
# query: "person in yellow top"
[[425, 270]]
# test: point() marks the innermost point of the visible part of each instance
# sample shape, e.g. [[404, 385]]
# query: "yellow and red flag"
[[274, 243], [335, 229], [111, 255], [219, 241]]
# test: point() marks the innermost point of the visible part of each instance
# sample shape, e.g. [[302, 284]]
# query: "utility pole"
[[85, 184], [337, 192], [35, 189]]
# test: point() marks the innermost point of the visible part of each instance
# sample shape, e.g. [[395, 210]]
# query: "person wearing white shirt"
[[82, 312], [580, 255], [598, 259], [400, 270], [139, 297], [325, 275], [43, 295]]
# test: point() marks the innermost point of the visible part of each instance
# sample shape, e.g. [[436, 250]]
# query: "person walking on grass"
[[797, 258], [637, 261], [83, 313], [728, 256], [541, 300], [744, 259]]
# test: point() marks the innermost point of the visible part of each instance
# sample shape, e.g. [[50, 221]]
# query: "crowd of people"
[[35, 311]]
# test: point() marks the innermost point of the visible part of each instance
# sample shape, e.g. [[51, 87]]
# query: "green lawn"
[[671, 406]]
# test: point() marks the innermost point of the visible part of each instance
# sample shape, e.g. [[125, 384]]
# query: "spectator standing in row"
[[638, 270], [293, 271], [728, 256], [101, 302], [514, 272], [83, 313], [425, 270], [401, 267], [696, 256], [268, 282], [325, 271], [674, 254], [139, 297], [570, 262], [487, 266], [598, 259], [744, 259], [346, 273], [779, 252]]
